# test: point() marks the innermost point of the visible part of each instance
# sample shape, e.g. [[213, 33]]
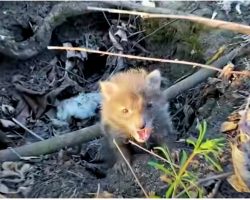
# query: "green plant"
[[177, 176]]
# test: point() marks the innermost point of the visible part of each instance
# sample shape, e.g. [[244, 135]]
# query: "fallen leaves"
[[240, 147], [38, 101], [228, 126], [240, 180], [226, 71], [15, 178]]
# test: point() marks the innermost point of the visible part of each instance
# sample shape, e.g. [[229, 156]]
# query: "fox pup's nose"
[[143, 125]]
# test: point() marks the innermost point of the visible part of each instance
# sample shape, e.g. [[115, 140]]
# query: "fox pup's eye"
[[124, 110], [149, 104]]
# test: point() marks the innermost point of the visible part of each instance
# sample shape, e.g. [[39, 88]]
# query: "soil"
[[63, 175]]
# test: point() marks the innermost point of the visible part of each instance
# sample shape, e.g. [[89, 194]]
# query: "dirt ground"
[[69, 175]]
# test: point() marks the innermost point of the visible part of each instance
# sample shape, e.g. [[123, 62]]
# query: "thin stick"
[[144, 58], [219, 176], [215, 190], [98, 190], [153, 32], [152, 153], [159, 28], [137, 180], [209, 22], [106, 18], [25, 128]]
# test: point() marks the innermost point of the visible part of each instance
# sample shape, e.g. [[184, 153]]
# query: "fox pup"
[[133, 107]]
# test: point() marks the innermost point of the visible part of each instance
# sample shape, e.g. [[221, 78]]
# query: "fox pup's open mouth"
[[144, 134]]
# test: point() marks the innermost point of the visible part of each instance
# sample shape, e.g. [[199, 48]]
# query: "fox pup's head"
[[131, 111]]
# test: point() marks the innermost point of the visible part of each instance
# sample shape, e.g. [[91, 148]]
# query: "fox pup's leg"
[[115, 156]]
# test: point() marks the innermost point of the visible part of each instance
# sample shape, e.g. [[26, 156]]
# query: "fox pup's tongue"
[[144, 133]]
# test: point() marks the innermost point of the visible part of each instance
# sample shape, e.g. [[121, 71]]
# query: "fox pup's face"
[[132, 112]]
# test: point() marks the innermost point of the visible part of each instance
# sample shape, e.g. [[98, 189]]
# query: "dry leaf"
[[70, 53], [104, 194], [241, 162], [7, 109], [237, 184], [4, 189], [165, 179], [228, 126], [15, 174], [122, 34], [244, 123], [226, 71], [114, 41], [7, 123], [148, 3]]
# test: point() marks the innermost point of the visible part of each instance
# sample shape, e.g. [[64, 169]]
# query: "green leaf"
[[213, 161], [170, 190], [202, 127], [213, 144], [191, 141], [209, 144], [186, 190], [160, 167], [200, 193], [154, 197], [168, 157], [165, 152], [184, 158]]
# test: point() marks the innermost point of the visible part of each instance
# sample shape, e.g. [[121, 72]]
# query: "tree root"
[[51, 145], [41, 39]]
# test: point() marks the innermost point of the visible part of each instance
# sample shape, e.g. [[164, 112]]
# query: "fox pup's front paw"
[[121, 167]]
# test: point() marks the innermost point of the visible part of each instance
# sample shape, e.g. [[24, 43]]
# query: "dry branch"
[[236, 27], [51, 145], [199, 76], [143, 58]]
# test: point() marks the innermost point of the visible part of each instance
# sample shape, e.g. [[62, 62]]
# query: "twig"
[[202, 20], [142, 58], [72, 73], [25, 128], [159, 28], [98, 190], [132, 171], [106, 18], [153, 32], [219, 176], [215, 190], [152, 153]]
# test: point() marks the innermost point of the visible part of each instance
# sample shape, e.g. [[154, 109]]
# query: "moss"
[[164, 35], [180, 31]]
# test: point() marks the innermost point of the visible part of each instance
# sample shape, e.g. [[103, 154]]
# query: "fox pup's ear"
[[153, 80], [108, 89]]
